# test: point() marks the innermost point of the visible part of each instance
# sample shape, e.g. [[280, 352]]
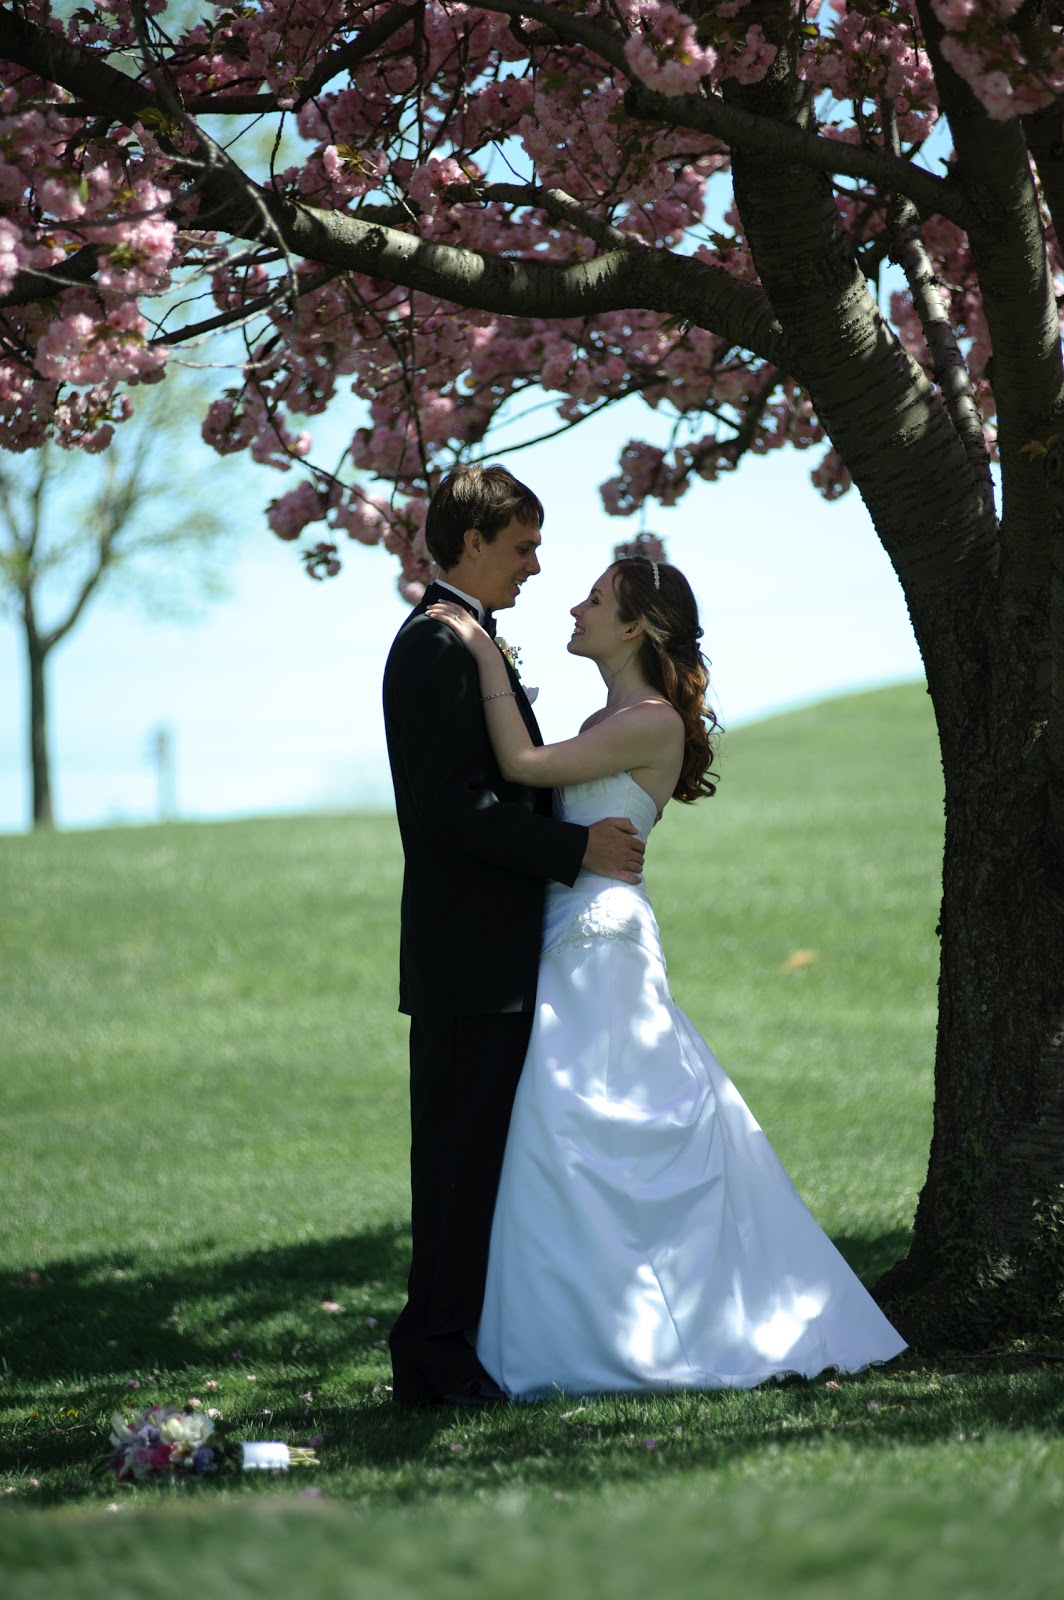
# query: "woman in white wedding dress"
[[646, 1237]]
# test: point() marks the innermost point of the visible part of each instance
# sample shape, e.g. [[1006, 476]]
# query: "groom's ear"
[[472, 542]]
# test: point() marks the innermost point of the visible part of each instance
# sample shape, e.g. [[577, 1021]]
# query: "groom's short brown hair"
[[476, 497]]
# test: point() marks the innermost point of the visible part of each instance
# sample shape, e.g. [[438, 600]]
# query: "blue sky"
[[272, 695]]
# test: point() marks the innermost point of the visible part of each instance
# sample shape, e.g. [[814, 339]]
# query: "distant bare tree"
[[70, 525]]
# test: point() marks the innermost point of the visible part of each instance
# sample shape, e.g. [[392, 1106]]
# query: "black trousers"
[[463, 1077]]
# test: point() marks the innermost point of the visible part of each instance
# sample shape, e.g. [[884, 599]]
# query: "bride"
[[645, 1236]]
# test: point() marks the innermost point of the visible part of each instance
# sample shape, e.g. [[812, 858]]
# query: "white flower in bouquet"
[[188, 1431]]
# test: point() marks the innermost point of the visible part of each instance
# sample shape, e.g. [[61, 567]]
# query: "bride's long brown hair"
[[671, 660]]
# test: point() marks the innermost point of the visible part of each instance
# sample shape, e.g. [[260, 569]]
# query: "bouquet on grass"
[[164, 1440]]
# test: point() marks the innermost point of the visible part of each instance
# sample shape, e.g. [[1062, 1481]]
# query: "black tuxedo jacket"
[[478, 850]]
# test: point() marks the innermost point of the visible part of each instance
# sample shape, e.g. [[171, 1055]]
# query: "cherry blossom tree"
[[460, 209]]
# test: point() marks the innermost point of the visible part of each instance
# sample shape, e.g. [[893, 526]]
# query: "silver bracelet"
[[500, 694]]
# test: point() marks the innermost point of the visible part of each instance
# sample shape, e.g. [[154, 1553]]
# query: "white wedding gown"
[[646, 1236]]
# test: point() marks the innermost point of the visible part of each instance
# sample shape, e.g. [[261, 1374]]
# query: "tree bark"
[[987, 1259], [40, 766]]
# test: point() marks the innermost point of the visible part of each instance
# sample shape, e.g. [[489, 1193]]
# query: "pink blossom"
[[665, 51], [64, 195], [750, 63], [288, 516], [954, 13], [426, 184]]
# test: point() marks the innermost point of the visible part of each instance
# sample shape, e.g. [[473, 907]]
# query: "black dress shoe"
[[415, 1396], [478, 1391]]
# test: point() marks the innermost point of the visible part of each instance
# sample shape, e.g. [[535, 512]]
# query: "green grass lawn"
[[204, 1122]]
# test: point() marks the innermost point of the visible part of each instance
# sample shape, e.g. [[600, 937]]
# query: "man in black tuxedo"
[[478, 852]]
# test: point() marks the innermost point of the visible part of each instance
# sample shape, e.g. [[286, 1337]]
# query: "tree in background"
[[689, 204], [70, 529]]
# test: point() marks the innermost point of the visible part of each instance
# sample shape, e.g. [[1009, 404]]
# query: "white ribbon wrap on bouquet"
[[265, 1457]]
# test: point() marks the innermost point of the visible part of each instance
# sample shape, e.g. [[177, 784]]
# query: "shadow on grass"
[[97, 1322], [108, 1316], [871, 1256]]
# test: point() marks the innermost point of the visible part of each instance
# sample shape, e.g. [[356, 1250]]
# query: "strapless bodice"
[[616, 796], [595, 907]]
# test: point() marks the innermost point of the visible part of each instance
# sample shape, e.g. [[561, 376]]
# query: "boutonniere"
[[513, 656]]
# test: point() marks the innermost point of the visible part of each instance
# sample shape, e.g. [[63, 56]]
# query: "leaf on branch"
[[321, 562], [1034, 449], [152, 117]]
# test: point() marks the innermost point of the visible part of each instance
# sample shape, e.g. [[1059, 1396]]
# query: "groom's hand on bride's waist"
[[615, 850]]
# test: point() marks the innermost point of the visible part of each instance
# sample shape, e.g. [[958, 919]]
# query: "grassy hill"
[[204, 1099]]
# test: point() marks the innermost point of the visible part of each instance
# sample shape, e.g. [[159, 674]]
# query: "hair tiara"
[[657, 574]]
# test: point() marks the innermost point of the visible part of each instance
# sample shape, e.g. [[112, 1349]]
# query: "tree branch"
[[1045, 140], [882, 414], [633, 278], [710, 114], [342, 59], [81, 72], [40, 283], [1008, 248], [744, 130], [241, 314], [554, 202], [54, 636], [909, 251]]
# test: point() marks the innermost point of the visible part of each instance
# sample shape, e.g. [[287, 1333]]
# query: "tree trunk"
[[36, 657], [987, 1260]]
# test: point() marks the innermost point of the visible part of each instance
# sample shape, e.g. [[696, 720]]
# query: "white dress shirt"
[[470, 599]]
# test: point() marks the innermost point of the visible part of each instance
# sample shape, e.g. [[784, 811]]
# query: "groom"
[[478, 854]]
